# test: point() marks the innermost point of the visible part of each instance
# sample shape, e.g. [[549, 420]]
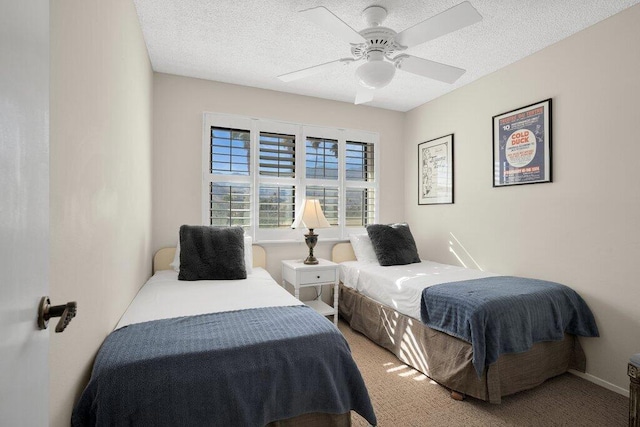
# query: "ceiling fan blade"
[[450, 20], [326, 20], [306, 72], [424, 67], [364, 95]]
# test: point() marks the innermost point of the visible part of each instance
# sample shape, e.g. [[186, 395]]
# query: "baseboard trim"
[[601, 382]]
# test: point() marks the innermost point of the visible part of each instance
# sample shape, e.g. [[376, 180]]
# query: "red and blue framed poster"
[[522, 145]]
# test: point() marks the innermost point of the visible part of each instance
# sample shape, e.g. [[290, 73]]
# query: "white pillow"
[[176, 259], [248, 256], [363, 248]]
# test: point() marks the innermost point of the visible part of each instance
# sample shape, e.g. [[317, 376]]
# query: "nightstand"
[[301, 275]]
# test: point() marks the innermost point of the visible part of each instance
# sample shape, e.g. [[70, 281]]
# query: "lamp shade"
[[310, 215]]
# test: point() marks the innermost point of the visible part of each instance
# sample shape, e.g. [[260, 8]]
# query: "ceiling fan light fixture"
[[378, 46], [375, 74]]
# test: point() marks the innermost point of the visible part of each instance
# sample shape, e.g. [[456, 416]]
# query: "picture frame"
[[435, 171], [522, 145]]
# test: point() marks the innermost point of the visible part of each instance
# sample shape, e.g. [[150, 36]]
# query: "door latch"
[[65, 312]]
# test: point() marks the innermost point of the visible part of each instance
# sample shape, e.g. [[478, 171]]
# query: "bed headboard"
[[342, 252], [164, 257]]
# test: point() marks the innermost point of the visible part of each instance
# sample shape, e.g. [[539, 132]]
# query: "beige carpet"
[[402, 396]]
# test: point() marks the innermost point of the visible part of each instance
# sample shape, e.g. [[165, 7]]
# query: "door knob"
[[65, 312]]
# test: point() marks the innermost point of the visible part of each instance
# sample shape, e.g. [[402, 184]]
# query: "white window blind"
[[251, 177], [321, 158], [360, 184], [329, 198], [359, 161], [360, 204], [230, 150], [277, 155], [277, 206], [230, 204]]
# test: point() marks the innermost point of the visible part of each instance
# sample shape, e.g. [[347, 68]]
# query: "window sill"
[[291, 242]]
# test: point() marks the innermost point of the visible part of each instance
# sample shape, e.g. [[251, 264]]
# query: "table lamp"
[[310, 215]]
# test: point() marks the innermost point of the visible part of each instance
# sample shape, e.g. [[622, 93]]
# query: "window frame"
[[300, 131]]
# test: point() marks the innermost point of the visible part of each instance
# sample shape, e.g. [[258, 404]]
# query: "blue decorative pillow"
[[393, 244], [211, 253]]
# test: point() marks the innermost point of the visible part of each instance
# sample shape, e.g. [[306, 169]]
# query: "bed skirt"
[[315, 419], [448, 360]]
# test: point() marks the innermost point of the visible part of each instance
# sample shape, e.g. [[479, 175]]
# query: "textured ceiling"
[[250, 42]]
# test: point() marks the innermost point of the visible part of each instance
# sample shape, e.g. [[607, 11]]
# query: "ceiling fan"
[[377, 45]]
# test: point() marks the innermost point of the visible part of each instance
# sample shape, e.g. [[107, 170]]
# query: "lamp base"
[[311, 239], [311, 260]]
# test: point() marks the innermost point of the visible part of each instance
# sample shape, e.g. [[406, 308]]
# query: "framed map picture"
[[435, 171], [522, 145]]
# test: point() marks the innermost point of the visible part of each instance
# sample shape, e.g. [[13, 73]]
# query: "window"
[[328, 197], [277, 206], [360, 184], [359, 160], [277, 155], [251, 177], [229, 151], [229, 204], [360, 207], [321, 158], [229, 154]]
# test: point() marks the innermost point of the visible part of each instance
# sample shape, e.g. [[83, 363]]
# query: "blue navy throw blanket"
[[505, 314], [239, 368]]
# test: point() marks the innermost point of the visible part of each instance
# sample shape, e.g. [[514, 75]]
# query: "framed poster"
[[522, 145], [435, 171]]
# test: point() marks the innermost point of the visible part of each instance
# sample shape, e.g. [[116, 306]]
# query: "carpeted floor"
[[402, 396]]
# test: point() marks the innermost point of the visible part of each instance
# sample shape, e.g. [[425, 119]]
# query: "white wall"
[[582, 229], [177, 175], [101, 94]]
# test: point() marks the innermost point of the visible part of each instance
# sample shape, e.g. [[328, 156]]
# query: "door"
[[24, 210]]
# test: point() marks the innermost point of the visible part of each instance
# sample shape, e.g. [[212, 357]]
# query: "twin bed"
[[388, 304], [222, 352], [214, 351]]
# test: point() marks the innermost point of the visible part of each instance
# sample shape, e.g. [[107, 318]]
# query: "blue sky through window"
[[230, 151]]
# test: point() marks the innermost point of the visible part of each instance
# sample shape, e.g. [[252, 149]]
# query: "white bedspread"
[[163, 296], [400, 286]]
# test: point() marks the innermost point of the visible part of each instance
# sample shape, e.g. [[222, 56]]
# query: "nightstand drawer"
[[317, 276]]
